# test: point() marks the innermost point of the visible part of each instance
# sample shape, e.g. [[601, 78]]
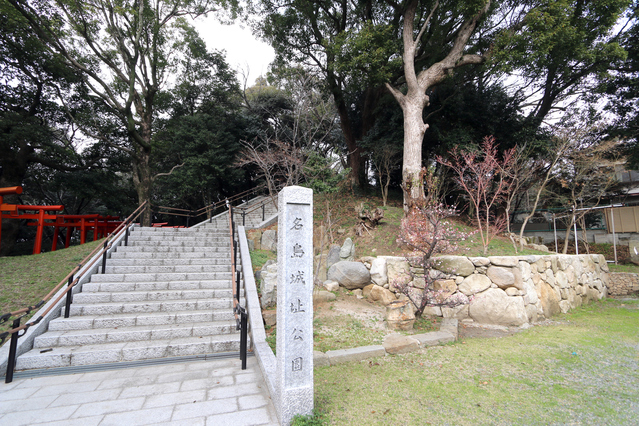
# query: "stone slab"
[[434, 338], [320, 359], [341, 356], [400, 344]]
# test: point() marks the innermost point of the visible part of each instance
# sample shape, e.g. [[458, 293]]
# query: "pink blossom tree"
[[484, 178], [427, 229]]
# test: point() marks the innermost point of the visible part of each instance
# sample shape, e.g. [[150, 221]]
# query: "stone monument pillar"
[[295, 303]]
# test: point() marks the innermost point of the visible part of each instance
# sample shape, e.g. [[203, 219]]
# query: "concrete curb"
[[393, 344]]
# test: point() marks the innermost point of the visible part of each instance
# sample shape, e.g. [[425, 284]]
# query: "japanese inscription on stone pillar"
[[295, 302]]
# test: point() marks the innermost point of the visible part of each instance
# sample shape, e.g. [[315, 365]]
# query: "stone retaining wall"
[[623, 284], [508, 290]]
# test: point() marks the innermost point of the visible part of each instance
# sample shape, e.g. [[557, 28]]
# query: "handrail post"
[[243, 217], [243, 336], [67, 306], [104, 255], [13, 348], [126, 235], [263, 212]]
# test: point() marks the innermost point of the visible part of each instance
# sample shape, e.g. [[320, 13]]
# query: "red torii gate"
[[100, 225]]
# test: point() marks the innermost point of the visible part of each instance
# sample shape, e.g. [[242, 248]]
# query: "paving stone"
[[138, 417]]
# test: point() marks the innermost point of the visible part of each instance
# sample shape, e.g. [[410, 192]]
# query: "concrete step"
[[116, 262], [86, 297], [139, 319], [175, 276], [149, 306], [98, 336], [68, 356], [155, 285], [162, 269]]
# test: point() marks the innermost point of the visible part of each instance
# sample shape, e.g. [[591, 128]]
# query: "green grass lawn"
[[25, 280], [582, 369]]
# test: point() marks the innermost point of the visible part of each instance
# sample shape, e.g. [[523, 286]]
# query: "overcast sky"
[[243, 50]]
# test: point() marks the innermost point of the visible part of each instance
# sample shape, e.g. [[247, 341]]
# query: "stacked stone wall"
[[504, 290], [623, 284]]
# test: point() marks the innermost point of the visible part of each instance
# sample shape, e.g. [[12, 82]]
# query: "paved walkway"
[[213, 392]]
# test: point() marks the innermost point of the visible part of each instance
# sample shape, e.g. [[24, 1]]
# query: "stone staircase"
[[252, 218], [166, 294]]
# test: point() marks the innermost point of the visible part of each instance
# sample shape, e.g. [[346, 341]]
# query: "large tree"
[[34, 129], [319, 34], [127, 52]]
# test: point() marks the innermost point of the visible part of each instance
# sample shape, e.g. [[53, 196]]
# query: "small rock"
[[399, 344], [331, 285], [323, 296], [270, 318]]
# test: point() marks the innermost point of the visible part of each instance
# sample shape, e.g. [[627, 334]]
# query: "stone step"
[[155, 285], [149, 306], [116, 262], [68, 356], [121, 253], [155, 248], [139, 319], [163, 238], [186, 243], [86, 297], [163, 269], [175, 276], [176, 231], [98, 336]]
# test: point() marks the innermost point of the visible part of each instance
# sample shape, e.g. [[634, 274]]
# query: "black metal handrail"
[[247, 210], [238, 310], [208, 210], [69, 280]]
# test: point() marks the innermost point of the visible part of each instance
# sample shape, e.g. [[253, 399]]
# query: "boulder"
[[480, 261], [475, 283], [268, 286], [397, 270], [348, 274], [508, 261], [459, 312], [323, 296], [270, 318], [549, 300], [366, 291], [399, 315], [501, 276], [319, 267], [347, 252], [494, 306], [333, 256], [396, 343], [378, 271], [269, 240], [380, 294], [255, 235], [455, 265], [447, 287], [331, 285]]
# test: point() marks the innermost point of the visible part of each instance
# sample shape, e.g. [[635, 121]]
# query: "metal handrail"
[[241, 316], [70, 281]]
